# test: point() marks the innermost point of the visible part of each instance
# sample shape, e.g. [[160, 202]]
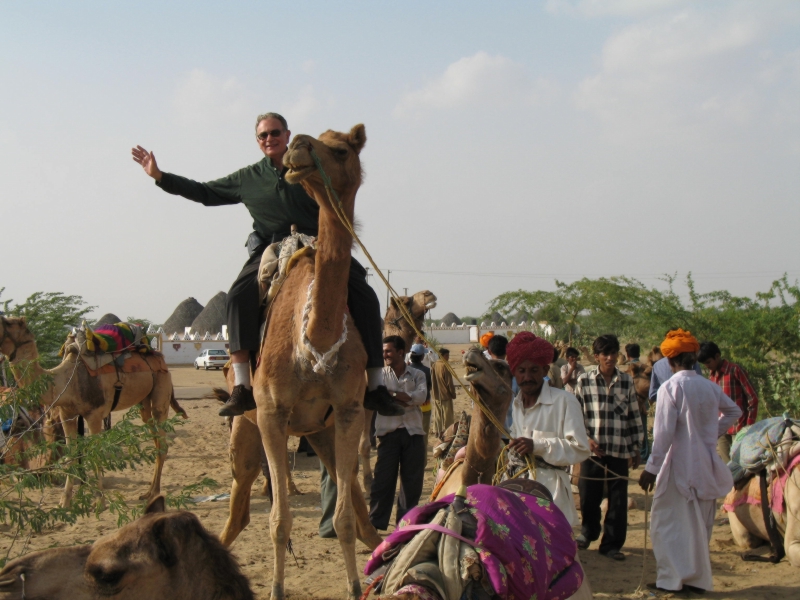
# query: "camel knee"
[[741, 535]]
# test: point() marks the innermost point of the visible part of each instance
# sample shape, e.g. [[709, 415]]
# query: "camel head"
[[490, 378], [395, 324], [338, 153], [14, 334], [160, 555], [55, 574]]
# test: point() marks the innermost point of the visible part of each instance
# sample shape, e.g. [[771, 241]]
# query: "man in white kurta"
[[547, 422], [691, 413], [554, 424]]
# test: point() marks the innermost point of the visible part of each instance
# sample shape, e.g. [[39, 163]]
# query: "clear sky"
[[509, 143]]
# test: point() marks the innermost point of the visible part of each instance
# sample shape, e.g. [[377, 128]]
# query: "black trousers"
[[615, 527], [397, 451], [244, 311]]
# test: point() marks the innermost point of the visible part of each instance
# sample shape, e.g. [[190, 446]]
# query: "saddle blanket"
[[751, 494], [524, 545], [753, 448], [117, 338]]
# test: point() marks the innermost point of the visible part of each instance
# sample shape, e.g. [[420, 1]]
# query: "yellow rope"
[[336, 204]]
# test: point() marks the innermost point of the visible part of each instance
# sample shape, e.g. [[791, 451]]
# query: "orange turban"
[[485, 339], [678, 342], [526, 346]]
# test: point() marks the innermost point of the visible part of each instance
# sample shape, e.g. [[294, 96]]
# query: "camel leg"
[[70, 424], [349, 421], [272, 424], [155, 410], [323, 444], [245, 456], [364, 449], [94, 423], [791, 539], [741, 535]]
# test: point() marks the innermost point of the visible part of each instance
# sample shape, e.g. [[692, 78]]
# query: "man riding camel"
[[275, 206]]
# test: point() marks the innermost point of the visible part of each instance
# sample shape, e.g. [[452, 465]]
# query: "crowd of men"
[[561, 414]]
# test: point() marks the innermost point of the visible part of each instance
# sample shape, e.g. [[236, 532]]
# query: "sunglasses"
[[273, 133]]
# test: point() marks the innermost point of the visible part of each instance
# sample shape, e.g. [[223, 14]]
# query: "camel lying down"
[[160, 555]]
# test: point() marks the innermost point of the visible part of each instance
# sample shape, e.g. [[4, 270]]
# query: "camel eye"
[[340, 152]]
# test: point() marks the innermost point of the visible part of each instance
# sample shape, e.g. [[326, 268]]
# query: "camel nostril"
[[106, 578]]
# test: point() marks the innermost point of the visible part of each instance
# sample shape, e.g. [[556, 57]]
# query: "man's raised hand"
[[148, 162]]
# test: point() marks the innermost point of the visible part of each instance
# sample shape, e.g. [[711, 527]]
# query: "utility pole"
[[405, 291]]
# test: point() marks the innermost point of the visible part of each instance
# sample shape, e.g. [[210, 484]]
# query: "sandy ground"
[[199, 449]]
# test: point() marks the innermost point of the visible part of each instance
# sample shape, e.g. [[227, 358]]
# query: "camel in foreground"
[[747, 520], [245, 441], [311, 371], [74, 392], [160, 555]]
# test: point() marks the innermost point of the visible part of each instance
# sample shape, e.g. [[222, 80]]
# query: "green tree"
[[49, 316]]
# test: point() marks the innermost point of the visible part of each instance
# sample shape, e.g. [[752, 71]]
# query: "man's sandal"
[[614, 554]]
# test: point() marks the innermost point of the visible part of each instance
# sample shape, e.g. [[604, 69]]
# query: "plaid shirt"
[[611, 412], [735, 385]]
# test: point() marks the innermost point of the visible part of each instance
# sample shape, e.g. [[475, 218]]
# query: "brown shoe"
[[381, 401], [240, 402]]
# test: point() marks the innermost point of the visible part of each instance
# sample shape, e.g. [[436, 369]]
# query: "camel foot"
[[265, 489], [354, 590], [277, 592], [293, 491]]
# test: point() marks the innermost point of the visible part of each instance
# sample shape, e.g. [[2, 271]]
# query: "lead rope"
[[337, 207]]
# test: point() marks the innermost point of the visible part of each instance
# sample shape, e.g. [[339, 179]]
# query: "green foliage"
[[49, 316], [761, 333], [127, 445], [145, 323]]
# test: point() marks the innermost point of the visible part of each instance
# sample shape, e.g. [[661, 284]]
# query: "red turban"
[[678, 342], [526, 346]]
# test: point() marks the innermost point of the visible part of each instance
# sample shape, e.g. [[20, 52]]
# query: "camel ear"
[[166, 545], [156, 505], [357, 137]]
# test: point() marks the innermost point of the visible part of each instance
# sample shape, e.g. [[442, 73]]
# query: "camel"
[[747, 520], [491, 381], [160, 555], [74, 392], [245, 442], [311, 373], [394, 323], [29, 430]]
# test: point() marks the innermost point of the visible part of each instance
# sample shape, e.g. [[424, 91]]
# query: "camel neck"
[[26, 367], [331, 275]]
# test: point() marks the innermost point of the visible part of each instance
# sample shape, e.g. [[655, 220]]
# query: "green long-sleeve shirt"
[[274, 204]]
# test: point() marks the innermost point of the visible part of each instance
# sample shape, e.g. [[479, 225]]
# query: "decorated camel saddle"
[[483, 542], [117, 348], [769, 448]]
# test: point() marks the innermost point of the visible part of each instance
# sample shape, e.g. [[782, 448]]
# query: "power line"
[[718, 275]]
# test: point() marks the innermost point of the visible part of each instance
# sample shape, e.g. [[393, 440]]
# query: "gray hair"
[[271, 115]]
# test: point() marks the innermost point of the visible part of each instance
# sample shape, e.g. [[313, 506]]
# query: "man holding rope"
[[688, 474], [275, 206], [614, 427], [547, 422]]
